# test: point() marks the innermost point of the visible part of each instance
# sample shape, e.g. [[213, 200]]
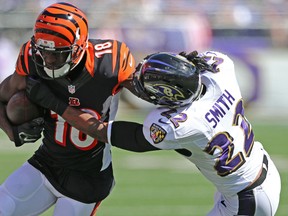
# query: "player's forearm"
[[86, 123], [129, 136]]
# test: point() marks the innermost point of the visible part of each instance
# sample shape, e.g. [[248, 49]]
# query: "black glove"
[[198, 61], [190, 56], [38, 92], [28, 132]]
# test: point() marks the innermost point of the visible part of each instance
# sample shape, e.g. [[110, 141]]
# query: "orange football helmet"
[[60, 40]]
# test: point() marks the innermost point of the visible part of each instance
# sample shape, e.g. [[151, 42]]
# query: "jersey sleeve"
[[123, 63], [126, 63], [160, 132], [223, 62], [22, 63]]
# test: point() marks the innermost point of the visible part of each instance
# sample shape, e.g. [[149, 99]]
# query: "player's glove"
[[38, 92], [190, 56], [198, 61], [28, 132]]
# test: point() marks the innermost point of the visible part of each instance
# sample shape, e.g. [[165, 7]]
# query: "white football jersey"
[[212, 132]]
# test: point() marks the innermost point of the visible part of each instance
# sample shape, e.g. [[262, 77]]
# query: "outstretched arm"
[[129, 136], [125, 135], [122, 134], [38, 92]]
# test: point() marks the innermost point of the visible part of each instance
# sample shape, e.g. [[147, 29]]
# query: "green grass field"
[[161, 183]]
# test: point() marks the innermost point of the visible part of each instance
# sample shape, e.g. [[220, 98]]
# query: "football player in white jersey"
[[201, 116]]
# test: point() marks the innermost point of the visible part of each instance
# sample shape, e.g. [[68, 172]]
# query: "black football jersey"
[[67, 155]]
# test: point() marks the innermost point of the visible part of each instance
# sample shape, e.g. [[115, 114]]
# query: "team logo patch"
[[74, 101], [157, 133]]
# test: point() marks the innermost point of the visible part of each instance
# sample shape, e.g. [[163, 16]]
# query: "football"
[[20, 109]]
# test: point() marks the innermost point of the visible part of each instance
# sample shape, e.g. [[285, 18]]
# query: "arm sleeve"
[[129, 136]]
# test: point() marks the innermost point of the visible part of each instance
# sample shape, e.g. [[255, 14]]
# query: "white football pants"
[[27, 192]]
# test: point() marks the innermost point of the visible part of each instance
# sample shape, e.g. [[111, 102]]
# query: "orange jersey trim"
[[94, 211], [22, 64], [126, 65], [89, 64], [114, 57]]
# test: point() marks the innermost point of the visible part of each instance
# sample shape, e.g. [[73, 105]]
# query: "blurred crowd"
[[177, 25]]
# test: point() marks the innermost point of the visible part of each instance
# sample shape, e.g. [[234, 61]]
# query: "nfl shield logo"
[[71, 89]]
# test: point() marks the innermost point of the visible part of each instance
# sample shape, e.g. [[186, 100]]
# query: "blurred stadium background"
[[253, 32]]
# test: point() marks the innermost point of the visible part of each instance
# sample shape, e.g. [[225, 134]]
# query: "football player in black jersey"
[[70, 169]]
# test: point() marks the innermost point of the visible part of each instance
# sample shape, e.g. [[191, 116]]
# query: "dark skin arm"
[[39, 93], [78, 119], [86, 123], [8, 87], [89, 125], [124, 135]]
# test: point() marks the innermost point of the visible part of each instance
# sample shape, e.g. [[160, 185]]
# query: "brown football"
[[20, 109]]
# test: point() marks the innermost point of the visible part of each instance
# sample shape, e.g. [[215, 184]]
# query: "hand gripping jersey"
[[78, 165], [212, 132]]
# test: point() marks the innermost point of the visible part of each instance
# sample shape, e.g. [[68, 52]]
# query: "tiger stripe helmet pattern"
[[60, 29]]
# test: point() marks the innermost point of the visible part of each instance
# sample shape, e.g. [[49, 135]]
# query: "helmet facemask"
[[64, 59]]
